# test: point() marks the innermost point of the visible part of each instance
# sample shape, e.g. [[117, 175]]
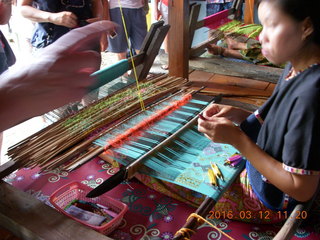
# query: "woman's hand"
[[234, 114], [65, 18], [219, 130]]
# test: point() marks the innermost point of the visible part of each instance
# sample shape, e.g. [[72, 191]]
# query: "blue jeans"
[[213, 8]]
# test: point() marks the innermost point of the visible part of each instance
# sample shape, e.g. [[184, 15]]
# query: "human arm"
[[5, 11], [64, 18], [156, 12], [225, 52], [220, 129], [98, 11], [59, 74], [105, 16]]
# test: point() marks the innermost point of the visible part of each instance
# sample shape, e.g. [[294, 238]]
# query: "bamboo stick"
[[50, 147]]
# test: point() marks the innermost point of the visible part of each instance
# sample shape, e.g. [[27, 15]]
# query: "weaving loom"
[[178, 159], [211, 22], [183, 161], [95, 123], [37, 229], [84, 127]]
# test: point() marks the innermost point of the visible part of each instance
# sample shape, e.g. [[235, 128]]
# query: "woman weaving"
[[281, 139]]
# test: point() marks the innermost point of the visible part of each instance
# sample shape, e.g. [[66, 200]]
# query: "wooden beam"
[[151, 52], [178, 38], [28, 218], [223, 66], [149, 49], [249, 12], [193, 21]]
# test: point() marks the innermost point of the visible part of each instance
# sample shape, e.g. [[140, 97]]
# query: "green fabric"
[[246, 33], [248, 30]]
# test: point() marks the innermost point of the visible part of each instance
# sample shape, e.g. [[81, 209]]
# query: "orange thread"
[[118, 141]]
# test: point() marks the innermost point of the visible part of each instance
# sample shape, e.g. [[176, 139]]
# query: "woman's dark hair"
[[300, 10]]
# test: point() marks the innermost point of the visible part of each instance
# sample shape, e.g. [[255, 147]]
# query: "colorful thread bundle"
[[234, 160], [214, 174]]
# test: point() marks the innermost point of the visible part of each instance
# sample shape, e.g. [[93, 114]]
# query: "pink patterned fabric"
[[216, 20], [151, 215]]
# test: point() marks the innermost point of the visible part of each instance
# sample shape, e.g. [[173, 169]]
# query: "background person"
[[136, 24], [54, 19], [161, 12], [215, 6]]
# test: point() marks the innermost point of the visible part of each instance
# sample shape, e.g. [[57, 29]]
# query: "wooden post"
[[249, 12], [178, 38]]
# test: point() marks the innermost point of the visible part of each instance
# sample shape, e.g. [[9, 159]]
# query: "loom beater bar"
[[114, 71]]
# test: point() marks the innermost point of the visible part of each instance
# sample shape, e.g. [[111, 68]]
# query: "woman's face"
[[282, 37]]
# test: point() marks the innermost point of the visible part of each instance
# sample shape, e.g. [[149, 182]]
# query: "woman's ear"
[[307, 28]]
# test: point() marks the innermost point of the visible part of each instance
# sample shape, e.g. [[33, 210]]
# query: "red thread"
[[118, 141]]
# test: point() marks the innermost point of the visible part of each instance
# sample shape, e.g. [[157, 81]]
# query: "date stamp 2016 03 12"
[[250, 215]]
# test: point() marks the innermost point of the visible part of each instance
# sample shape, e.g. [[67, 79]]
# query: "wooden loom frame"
[[29, 218], [194, 24]]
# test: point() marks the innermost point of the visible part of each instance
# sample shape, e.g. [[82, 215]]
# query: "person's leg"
[[118, 44], [165, 46], [121, 55], [233, 44], [224, 52], [239, 202], [137, 27], [213, 8], [227, 5], [165, 17]]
